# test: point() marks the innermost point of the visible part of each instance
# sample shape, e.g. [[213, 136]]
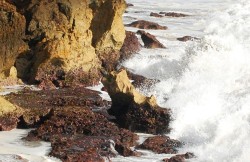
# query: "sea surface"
[[205, 82]]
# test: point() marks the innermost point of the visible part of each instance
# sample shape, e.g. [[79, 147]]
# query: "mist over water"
[[206, 83]]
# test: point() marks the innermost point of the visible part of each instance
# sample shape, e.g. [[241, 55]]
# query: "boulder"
[[142, 24], [12, 30], [130, 46], [9, 114], [153, 14], [186, 38], [150, 40], [180, 157], [133, 110], [161, 144], [174, 14]]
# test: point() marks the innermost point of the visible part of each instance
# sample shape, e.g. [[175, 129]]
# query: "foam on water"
[[206, 83], [11, 145]]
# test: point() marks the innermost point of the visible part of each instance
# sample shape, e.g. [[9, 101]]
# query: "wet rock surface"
[[130, 46], [153, 14], [140, 81], [179, 157], [161, 144], [77, 130], [187, 38], [173, 14], [150, 40], [142, 24], [37, 105], [133, 110]]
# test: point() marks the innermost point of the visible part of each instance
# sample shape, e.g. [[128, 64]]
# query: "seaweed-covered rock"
[[161, 144], [76, 131], [180, 157], [153, 14], [174, 14], [133, 110], [150, 40], [142, 24], [186, 38], [130, 46]]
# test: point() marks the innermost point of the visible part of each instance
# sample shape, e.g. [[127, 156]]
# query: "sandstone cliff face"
[[71, 34], [12, 29]]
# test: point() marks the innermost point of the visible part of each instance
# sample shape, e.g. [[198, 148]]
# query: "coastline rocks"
[[179, 158], [64, 35], [142, 24], [174, 14], [82, 131], [37, 105], [155, 15], [161, 144], [130, 46], [186, 38], [8, 115], [12, 30], [149, 40], [141, 81], [133, 110]]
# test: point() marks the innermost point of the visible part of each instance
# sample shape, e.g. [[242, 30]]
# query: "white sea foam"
[[206, 83], [11, 144]]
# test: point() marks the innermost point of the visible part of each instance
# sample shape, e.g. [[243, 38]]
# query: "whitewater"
[[206, 82]]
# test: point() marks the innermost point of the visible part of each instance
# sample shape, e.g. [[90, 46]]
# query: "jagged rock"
[[9, 114], [141, 81], [75, 131], [174, 14], [12, 30], [149, 40], [68, 35], [130, 46], [186, 38], [155, 14], [37, 105], [142, 24], [161, 144], [133, 110], [130, 5], [180, 157]]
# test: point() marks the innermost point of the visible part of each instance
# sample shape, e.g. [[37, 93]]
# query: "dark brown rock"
[[133, 110], [8, 122], [149, 40], [141, 81], [142, 24], [130, 5], [37, 105], [186, 38], [179, 157], [161, 144], [175, 159], [82, 131], [12, 31], [155, 14], [110, 60], [130, 46], [174, 14]]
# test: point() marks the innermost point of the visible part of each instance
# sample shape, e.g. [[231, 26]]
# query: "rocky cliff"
[[64, 37]]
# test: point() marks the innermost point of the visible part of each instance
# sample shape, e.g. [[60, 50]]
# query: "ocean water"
[[206, 82]]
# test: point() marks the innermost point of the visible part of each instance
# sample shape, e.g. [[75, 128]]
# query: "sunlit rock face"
[[71, 35]]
